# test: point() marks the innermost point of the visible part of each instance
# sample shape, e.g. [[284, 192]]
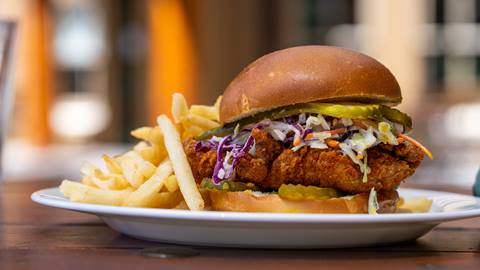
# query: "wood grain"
[[37, 237]]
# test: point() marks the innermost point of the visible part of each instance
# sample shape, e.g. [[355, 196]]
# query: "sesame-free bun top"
[[306, 74]]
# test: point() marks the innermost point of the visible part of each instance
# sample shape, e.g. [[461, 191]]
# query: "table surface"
[[33, 236]]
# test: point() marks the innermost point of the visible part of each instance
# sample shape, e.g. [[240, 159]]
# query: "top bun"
[[305, 74]]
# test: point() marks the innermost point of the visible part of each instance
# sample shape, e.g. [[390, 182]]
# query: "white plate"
[[231, 229]]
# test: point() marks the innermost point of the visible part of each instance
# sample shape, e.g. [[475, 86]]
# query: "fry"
[[94, 177], [111, 182], [160, 151], [181, 167], [78, 192], [208, 112], [135, 168], [192, 131], [119, 181], [147, 152], [179, 108], [171, 183], [202, 122], [112, 164], [153, 153], [143, 196], [130, 172], [146, 167], [415, 205], [155, 136], [87, 180], [181, 205], [165, 200], [150, 134], [141, 133]]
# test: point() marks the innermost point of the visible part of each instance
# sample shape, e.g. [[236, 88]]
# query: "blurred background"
[[89, 71]]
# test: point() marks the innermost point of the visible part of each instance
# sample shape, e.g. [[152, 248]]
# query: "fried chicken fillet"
[[273, 165]]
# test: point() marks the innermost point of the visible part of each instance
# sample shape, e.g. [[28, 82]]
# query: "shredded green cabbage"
[[372, 202], [366, 169], [385, 133]]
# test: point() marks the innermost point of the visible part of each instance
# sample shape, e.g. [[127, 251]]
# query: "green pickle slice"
[[300, 192], [353, 111], [363, 111], [228, 185], [288, 192], [397, 116]]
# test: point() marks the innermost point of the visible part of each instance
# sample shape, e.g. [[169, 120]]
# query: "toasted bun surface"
[[305, 74], [251, 202]]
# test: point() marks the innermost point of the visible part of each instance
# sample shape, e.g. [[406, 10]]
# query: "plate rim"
[[248, 217]]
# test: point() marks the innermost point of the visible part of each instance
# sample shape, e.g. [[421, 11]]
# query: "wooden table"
[[37, 237]]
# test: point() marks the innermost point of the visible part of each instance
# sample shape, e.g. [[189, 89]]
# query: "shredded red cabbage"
[[200, 145], [222, 172], [219, 164]]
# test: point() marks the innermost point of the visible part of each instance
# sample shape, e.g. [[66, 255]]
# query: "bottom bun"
[[263, 202]]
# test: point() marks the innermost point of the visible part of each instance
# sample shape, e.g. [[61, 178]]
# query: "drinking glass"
[[7, 40]]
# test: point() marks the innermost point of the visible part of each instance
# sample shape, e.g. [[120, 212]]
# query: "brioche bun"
[[305, 74], [254, 202]]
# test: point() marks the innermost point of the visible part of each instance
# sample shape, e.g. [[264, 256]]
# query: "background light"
[[462, 121], [78, 116]]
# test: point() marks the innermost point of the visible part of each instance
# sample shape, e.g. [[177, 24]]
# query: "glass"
[[7, 38]]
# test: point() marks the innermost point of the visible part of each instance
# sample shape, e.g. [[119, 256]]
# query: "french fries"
[[149, 153], [152, 149], [182, 169], [201, 122], [150, 134], [415, 205], [191, 131], [165, 200], [87, 180], [135, 169], [78, 192], [207, 112], [155, 173], [94, 177], [179, 108], [171, 184], [112, 164], [144, 195]]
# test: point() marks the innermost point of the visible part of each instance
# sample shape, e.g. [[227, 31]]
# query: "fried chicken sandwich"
[[308, 129]]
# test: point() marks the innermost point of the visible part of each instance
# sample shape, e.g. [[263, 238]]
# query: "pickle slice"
[[300, 192], [219, 132], [353, 111], [228, 185], [397, 116], [363, 111]]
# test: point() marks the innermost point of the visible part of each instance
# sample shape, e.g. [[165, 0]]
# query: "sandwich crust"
[[306, 74]]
